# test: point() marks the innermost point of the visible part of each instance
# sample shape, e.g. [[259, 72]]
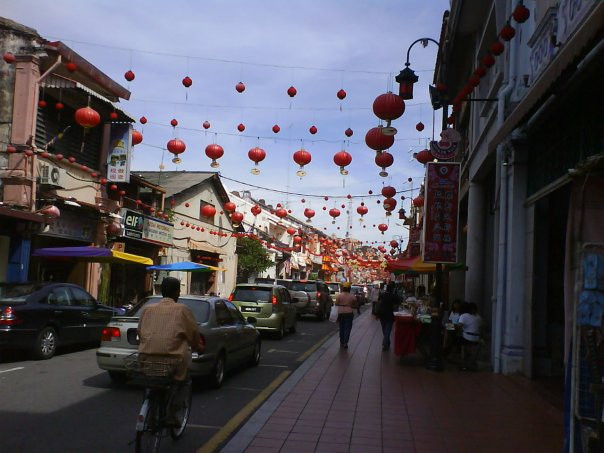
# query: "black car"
[[320, 299], [41, 316]]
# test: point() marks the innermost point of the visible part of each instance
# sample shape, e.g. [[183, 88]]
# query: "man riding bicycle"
[[167, 329]]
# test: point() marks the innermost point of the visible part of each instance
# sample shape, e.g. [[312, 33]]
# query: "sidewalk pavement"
[[362, 399]]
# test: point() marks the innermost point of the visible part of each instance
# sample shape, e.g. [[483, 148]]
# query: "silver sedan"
[[230, 339]]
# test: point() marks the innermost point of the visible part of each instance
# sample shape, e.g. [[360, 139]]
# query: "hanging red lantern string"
[[214, 152], [241, 127], [497, 48], [137, 137], [388, 191], [334, 214], [418, 201], [240, 87], [173, 122], [419, 126], [129, 76], [389, 205], [362, 210], [521, 13], [290, 231], [378, 141], [382, 227], [388, 107], [342, 159], [176, 147], [281, 213], [208, 211], [302, 158], [424, 156], [256, 209], [87, 117], [348, 132], [276, 128], [291, 92], [341, 94], [9, 58], [488, 60], [507, 32], [309, 214], [206, 124], [384, 160], [236, 218], [229, 206], [187, 81], [142, 120], [312, 130], [256, 155]]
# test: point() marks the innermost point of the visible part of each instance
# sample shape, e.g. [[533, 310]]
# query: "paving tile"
[[268, 443], [269, 434], [328, 447], [261, 450], [294, 446]]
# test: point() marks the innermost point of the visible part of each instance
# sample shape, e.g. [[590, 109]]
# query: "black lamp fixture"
[[407, 78]]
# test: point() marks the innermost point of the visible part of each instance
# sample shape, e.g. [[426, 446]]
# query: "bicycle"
[[154, 422]]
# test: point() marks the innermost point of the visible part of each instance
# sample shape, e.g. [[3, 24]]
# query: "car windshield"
[[200, 308], [252, 294], [333, 287], [17, 292], [303, 286], [357, 289]]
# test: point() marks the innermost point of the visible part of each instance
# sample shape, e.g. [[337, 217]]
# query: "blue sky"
[[317, 46]]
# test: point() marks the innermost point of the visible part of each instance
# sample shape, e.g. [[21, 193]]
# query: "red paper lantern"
[[418, 201], [291, 92], [474, 80], [334, 213], [113, 116], [137, 137], [424, 156], [206, 125], [142, 120], [173, 122], [187, 81], [187, 205], [497, 48], [256, 155], [42, 103], [309, 214], [382, 227], [8, 57], [281, 213], [388, 191], [377, 141], [348, 132], [214, 151], [129, 76], [112, 229], [122, 193], [71, 67], [208, 210], [342, 159], [240, 87], [103, 181], [276, 128], [389, 205], [341, 94], [297, 240], [384, 160], [138, 202], [394, 244], [480, 71], [419, 126], [240, 127], [59, 106], [113, 187], [176, 146], [229, 206], [312, 130], [11, 149], [236, 218], [362, 210], [87, 117], [71, 160], [388, 106], [256, 210], [521, 13], [302, 158], [507, 32], [488, 60]]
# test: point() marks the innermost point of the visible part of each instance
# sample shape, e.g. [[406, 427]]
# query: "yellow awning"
[[130, 257]]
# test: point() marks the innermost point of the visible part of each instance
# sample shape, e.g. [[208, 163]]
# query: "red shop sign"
[[441, 212]]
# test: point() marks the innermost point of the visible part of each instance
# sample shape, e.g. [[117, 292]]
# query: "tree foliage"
[[253, 257]]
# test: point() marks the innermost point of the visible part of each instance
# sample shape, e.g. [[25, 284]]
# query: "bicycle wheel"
[[182, 404], [149, 438]]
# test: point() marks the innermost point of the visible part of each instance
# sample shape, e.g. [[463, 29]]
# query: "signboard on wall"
[[72, 225], [119, 156], [142, 227], [441, 212]]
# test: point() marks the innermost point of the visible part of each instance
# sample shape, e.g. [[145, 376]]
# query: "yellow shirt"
[[167, 329]]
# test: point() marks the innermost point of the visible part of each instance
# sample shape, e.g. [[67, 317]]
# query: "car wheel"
[[117, 377], [46, 343], [218, 371], [255, 360], [281, 331]]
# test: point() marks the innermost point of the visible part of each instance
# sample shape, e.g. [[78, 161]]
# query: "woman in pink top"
[[345, 302]]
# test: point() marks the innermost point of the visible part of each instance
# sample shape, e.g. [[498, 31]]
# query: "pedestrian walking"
[[373, 295], [387, 304], [345, 301], [470, 324]]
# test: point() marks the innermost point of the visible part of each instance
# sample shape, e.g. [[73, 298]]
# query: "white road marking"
[[13, 369], [283, 350], [248, 389], [274, 366]]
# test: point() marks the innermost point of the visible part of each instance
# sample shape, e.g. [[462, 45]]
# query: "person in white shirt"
[[373, 295], [470, 323]]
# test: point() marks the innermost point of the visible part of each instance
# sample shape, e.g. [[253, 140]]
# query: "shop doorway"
[[551, 214]]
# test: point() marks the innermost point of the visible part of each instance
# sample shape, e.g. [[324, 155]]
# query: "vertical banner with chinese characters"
[[441, 212], [118, 159]]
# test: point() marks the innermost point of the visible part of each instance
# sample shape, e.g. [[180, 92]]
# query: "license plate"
[[249, 309]]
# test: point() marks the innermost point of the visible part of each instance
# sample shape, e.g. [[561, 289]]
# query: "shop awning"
[[185, 266], [91, 254], [416, 265]]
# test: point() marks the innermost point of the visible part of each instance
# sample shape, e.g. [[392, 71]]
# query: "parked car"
[[229, 338], [359, 293], [320, 300], [271, 305], [300, 299], [42, 316], [334, 290]]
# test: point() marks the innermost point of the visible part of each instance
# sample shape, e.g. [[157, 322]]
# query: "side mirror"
[[251, 320]]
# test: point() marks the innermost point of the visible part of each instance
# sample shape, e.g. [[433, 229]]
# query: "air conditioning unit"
[[51, 175]]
